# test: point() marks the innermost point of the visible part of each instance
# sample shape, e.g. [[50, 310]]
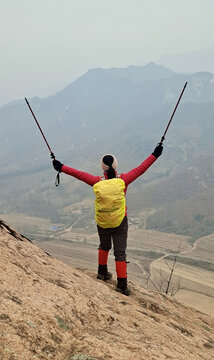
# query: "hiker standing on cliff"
[[111, 211]]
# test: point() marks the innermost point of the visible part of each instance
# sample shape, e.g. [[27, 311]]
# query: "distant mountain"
[[148, 72], [121, 111], [195, 61]]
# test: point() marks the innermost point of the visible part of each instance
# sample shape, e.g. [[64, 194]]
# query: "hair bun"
[[107, 161]]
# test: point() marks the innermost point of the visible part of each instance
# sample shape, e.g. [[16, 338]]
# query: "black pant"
[[119, 237]]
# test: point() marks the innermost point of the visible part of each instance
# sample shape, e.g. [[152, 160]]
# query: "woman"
[[119, 230]]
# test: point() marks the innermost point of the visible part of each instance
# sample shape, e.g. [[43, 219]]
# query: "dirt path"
[[61, 232]]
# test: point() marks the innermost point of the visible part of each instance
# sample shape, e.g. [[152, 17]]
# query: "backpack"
[[110, 203]]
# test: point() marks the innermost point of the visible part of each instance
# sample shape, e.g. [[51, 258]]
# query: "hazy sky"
[[46, 44]]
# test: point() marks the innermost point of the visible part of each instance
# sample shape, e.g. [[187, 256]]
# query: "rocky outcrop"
[[49, 310]]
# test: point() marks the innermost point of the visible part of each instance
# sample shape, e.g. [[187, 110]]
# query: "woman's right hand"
[[57, 165]]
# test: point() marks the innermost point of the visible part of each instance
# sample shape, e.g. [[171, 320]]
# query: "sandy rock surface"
[[49, 310]]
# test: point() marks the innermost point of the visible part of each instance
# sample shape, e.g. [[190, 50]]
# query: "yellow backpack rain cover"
[[110, 203]]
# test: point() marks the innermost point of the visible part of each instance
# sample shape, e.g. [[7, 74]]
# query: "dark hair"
[[111, 174], [108, 160]]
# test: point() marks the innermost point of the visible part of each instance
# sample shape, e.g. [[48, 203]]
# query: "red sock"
[[102, 257], [121, 269]]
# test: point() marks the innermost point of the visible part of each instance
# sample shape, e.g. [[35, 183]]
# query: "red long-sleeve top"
[[128, 177]]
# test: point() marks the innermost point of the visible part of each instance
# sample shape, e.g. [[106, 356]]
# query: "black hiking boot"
[[122, 286], [103, 273]]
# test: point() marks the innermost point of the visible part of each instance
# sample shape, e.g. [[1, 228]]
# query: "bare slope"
[[49, 310]]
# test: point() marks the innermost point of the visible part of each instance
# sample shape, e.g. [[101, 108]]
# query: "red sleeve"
[[81, 175], [136, 172]]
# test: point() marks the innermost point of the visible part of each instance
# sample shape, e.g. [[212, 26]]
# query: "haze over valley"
[[124, 112]]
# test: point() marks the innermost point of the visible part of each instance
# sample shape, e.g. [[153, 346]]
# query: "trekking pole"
[[163, 137], [49, 148]]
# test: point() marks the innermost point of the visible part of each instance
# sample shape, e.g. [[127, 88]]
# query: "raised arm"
[[133, 174], [78, 174]]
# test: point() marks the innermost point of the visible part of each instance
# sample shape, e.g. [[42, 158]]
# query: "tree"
[[165, 283]]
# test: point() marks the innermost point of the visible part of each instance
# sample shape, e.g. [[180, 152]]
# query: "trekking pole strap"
[[57, 181]]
